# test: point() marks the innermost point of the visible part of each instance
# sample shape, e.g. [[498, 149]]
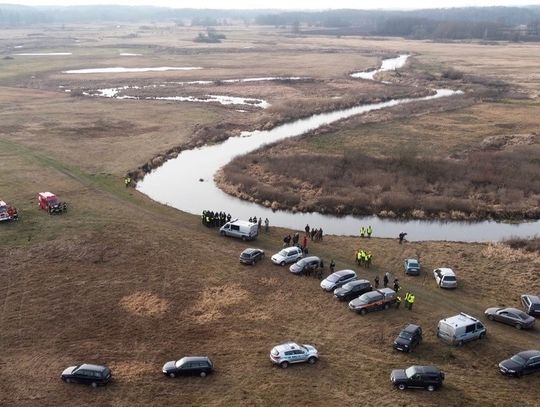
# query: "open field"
[[123, 281]]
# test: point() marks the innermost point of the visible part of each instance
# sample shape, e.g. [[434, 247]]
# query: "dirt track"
[[123, 281]]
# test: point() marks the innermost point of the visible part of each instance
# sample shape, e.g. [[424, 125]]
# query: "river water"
[[177, 183]]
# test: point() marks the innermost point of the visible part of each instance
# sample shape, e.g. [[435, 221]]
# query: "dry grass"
[[62, 279]]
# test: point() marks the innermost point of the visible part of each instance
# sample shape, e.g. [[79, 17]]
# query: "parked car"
[[251, 256], [93, 375], [49, 202], [291, 352], [352, 290], [287, 255], [412, 267], [305, 265], [460, 328], [240, 229], [337, 279], [445, 277], [408, 338], [373, 301], [510, 316], [422, 377], [531, 304], [188, 366], [525, 362]]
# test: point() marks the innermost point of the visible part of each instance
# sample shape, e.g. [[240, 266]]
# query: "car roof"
[[194, 359], [534, 298], [47, 194], [460, 319], [241, 223], [251, 250], [386, 290], [287, 346], [359, 282], [411, 260], [95, 368], [511, 309], [341, 273], [527, 354], [426, 369], [311, 258], [411, 328], [446, 271], [2, 203], [371, 294]]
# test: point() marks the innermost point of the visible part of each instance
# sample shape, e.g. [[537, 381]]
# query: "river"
[[177, 183]]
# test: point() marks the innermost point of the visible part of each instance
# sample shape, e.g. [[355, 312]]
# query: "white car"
[[337, 279], [287, 255], [445, 277], [291, 352]]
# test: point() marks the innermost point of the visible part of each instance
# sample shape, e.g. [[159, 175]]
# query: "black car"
[[352, 290], [251, 256], [408, 338], [522, 363], [422, 377], [531, 304], [87, 374], [188, 366]]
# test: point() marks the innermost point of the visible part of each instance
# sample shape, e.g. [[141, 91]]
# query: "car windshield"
[[179, 362], [350, 286], [522, 315], [449, 278], [410, 371], [413, 264], [3, 209], [301, 263], [405, 335], [283, 253], [518, 359], [535, 307], [333, 278]]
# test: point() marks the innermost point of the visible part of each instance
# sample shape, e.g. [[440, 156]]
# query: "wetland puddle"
[[120, 69], [390, 64], [177, 183]]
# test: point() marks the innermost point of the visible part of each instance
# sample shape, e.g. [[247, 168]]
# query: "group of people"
[[215, 219], [294, 240], [386, 281], [259, 223], [409, 300], [366, 231], [313, 233], [363, 258]]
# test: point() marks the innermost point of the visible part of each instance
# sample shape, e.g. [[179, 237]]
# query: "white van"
[[460, 328], [240, 229]]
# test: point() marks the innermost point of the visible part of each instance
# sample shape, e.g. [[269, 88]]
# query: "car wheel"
[[363, 311], [244, 238], [460, 343], [518, 326], [312, 360], [68, 380], [490, 317], [482, 335], [172, 375], [284, 364], [401, 386], [94, 385], [222, 233], [386, 306], [282, 263], [431, 388], [202, 374]]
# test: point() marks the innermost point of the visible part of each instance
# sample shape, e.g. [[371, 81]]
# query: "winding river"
[[177, 183]]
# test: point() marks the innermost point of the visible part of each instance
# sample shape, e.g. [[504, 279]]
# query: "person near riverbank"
[[259, 224], [402, 237], [362, 231], [369, 258], [304, 243], [385, 280], [396, 285], [287, 241], [266, 225], [376, 282], [332, 266], [369, 231], [295, 239], [312, 233], [307, 229]]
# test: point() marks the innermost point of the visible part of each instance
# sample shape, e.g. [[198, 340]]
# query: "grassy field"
[[123, 281]]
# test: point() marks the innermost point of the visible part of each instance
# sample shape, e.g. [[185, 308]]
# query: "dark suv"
[[408, 338], [531, 304], [352, 290], [187, 366], [422, 377], [87, 374]]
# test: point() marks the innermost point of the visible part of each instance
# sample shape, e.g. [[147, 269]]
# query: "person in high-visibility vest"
[[406, 298], [369, 231], [398, 302], [362, 231], [411, 301]]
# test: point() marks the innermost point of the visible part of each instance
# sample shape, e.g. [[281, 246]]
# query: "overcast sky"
[[284, 4]]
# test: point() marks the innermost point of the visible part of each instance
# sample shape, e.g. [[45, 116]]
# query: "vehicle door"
[[438, 277], [526, 302], [187, 368], [82, 376], [289, 356], [504, 316], [299, 355], [417, 380], [313, 264], [532, 365]]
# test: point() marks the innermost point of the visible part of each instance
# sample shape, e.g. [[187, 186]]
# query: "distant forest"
[[485, 23]]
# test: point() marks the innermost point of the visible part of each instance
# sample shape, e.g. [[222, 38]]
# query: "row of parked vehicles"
[[46, 201]]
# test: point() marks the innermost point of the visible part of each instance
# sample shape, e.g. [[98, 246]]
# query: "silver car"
[[291, 352], [337, 279], [287, 255]]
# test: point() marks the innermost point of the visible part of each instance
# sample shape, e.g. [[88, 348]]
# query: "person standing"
[[332, 266], [396, 285], [407, 294], [376, 282], [368, 259], [402, 237], [412, 298], [266, 225], [304, 243], [398, 302], [369, 231], [385, 280], [362, 231], [259, 224], [307, 229]]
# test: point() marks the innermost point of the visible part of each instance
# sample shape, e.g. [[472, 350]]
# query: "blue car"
[[412, 267]]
